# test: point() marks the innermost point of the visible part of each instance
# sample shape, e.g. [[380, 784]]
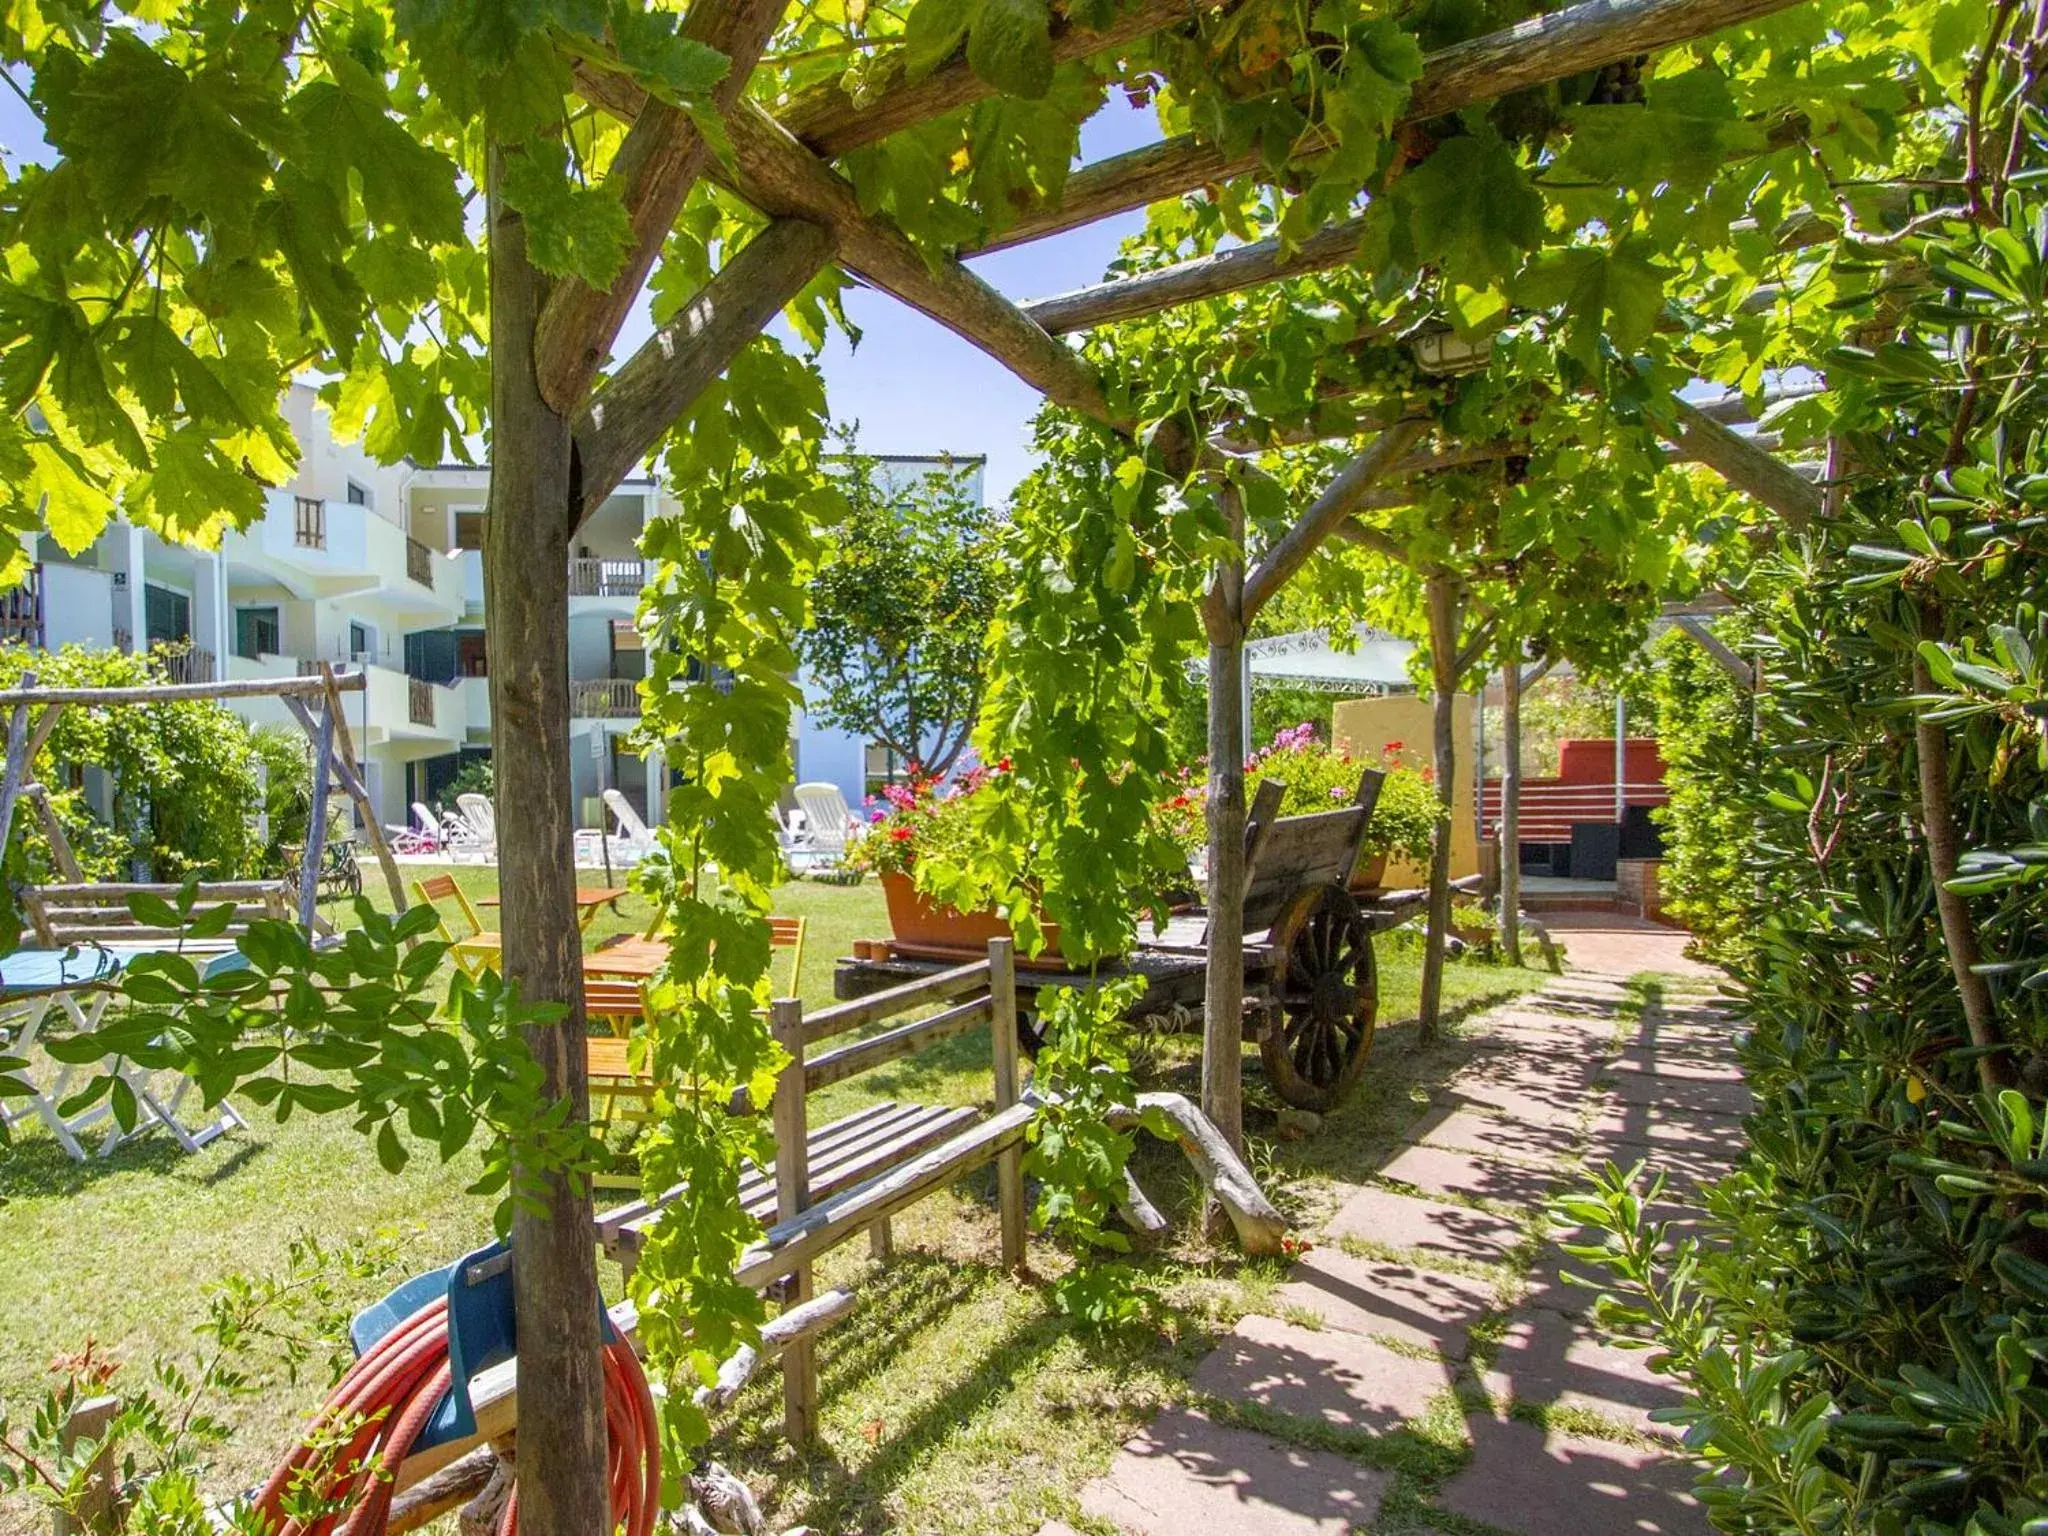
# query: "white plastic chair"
[[429, 823], [634, 841], [482, 817], [830, 825]]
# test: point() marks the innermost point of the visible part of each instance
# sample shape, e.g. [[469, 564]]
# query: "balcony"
[[191, 665], [420, 701], [309, 522], [605, 698], [419, 564], [21, 612], [602, 577]]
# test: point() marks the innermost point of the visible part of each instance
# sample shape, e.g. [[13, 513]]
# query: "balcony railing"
[[21, 611], [596, 577], [191, 665], [419, 701], [419, 562], [309, 523], [605, 698]]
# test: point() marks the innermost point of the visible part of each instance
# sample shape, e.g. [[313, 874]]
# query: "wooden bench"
[[837, 1180], [63, 915]]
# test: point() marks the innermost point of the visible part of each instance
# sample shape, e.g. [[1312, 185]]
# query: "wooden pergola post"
[[1223, 1005], [1510, 827], [1440, 592]]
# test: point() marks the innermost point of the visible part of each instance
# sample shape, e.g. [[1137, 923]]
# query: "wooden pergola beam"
[[627, 417], [1542, 49], [655, 168], [1205, 277], [831, 124], [1745, 464], [1328, 511]]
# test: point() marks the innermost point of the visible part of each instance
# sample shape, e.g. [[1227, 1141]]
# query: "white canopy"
[[1376, 664]]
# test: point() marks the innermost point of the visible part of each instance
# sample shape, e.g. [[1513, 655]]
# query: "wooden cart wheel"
[[1326, 992]]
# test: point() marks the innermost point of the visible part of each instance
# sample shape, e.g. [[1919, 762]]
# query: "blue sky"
[[913, 386]]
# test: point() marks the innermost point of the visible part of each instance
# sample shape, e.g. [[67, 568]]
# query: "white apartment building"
[[373, 568]]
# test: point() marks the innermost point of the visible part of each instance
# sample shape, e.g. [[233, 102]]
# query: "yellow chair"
[[476, 951], [618, 1093], [787, 933]]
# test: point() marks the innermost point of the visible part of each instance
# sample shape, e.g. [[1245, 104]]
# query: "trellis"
[[573, 439]]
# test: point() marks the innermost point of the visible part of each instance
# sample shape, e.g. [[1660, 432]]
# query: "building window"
[[359, 495], [469, 529], [258, 632], [362, 641], [167, 615]]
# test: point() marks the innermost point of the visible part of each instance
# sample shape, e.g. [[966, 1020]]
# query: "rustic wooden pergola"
[[577, 436]]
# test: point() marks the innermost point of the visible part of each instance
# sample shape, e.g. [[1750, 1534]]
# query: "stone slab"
[[1369, 1296], [1694, 1095], [1441, 1171], [1186, 1474], [1545, 1101], [1665, 1126], [1326, 1375], [1431, 1226], [1525, 1480], [1549, 1358], [1705, 1063], [1473, 1129]]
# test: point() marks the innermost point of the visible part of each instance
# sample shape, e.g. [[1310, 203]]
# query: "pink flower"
[[1337, 792]]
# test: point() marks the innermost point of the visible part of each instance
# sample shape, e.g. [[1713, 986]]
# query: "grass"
[[955, 1400]]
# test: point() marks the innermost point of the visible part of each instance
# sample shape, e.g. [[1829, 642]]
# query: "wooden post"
[[1511, 806], [1442, 598], [16, 773], [358, 791], [53, 833], [1002, 1028], [96, 1511], [316, 829], [1223, 1002], [562, 1482], [792, 1195]]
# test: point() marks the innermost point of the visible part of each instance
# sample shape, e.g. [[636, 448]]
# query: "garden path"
[[1433, 1307]]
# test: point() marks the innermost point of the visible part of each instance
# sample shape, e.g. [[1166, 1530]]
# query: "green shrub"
[[1707, 737]]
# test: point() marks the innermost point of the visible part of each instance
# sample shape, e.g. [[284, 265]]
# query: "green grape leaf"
[[1010, 46]]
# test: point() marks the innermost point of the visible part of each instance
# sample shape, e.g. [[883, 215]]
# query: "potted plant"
[[923, 819], [1321, 778]]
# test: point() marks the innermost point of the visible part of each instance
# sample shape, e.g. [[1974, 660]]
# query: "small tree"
[[901, 607]]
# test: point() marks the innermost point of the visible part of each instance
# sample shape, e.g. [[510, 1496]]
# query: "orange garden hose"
[[340, 1477]]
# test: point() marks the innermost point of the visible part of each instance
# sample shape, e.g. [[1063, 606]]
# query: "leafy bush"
[[1707, 735], [181, 776], [475, 776]]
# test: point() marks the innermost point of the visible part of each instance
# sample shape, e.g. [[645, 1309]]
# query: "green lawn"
[[955, 1400]]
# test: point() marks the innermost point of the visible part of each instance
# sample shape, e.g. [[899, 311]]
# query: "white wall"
[[326, 467], [78, 606]]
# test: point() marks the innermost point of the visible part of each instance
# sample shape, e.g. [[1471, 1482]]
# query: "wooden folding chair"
[[788, 933], [618, 1094], [476, 951]]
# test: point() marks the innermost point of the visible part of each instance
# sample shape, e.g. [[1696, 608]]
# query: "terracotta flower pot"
[[1370, 873], [919, 924]]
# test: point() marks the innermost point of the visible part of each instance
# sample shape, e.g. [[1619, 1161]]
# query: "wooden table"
[[634, 960], [588, 900]]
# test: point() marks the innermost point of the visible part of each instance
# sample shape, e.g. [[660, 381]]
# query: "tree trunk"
[[1442, 598], [1511, 806], [1223, 1006], [562, 1437], [1958, 928]]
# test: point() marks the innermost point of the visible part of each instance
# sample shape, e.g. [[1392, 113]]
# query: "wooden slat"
[[793, 1244], [927, 1129], [851, 1060], [940, 987], [216, 890]]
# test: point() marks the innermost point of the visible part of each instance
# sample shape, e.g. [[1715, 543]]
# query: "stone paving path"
[[1434, 1297]]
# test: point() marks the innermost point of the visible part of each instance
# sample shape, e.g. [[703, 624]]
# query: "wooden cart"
[[1308, 957]]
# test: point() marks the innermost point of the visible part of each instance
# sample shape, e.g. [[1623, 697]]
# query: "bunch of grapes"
[[1619, 84]]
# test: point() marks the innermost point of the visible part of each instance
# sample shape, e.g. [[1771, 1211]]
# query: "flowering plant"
[[1322, 778], [922, 817]]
